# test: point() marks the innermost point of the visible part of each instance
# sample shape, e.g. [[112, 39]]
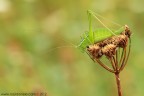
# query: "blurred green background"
[[34, 52]]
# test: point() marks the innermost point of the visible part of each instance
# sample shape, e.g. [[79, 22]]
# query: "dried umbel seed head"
[[127, 32], [109, 46], [113, 40], [94, 51], [109, 50], [118, 40], [122, 41]]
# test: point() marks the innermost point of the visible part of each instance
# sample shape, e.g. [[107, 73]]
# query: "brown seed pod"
[[109, 50], [122, 41], [127, 31], [95, 51]]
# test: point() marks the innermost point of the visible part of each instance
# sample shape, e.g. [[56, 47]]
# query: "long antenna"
[[107, 19], [69, 42], [52, 49]]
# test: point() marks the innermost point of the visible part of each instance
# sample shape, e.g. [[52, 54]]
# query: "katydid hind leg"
[[94, 15]]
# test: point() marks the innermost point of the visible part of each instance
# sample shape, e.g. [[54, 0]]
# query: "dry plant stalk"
[[110, 48]]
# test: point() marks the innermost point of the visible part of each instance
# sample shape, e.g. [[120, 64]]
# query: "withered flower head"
[[122, 41], [127, 31], [95, 51], [109, 50]]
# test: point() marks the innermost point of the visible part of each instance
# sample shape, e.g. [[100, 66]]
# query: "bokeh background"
[[36, 53]]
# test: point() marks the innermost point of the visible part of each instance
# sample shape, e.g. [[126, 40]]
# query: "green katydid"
[[98, 35], [91, 37]]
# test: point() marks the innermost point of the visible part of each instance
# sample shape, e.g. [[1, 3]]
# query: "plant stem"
[[118, 84], [104, 66]]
